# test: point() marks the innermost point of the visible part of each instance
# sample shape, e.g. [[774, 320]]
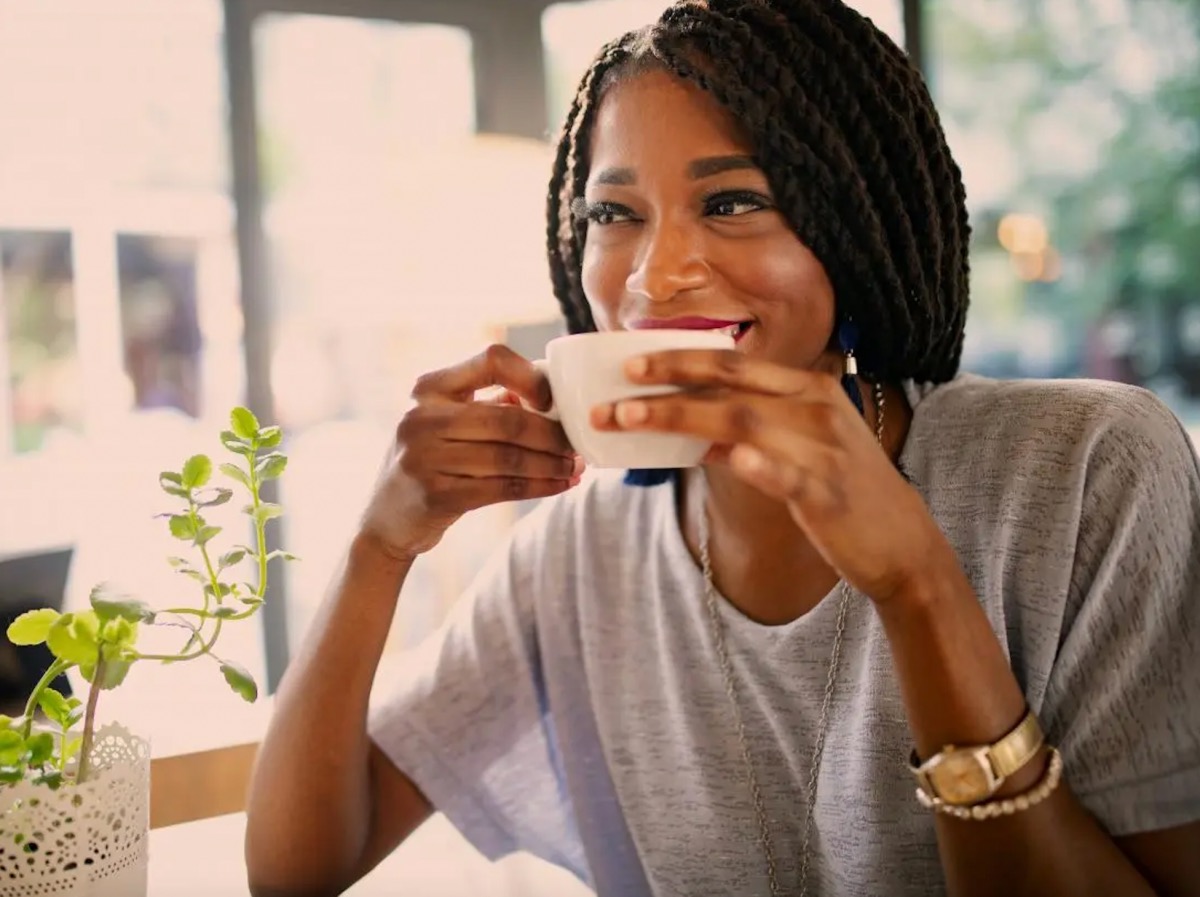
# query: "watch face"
[[962, 778]]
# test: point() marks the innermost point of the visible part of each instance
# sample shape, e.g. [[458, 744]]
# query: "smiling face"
[[683, 230]]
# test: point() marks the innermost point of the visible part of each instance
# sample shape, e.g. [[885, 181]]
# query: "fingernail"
[[632, 413], [578, 467], [637, 366], [601, 415], [574, 481]]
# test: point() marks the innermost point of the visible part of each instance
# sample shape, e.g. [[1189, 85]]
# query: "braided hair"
[[845, 130]]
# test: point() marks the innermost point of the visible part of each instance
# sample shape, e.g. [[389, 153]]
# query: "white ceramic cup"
[[587, 369]]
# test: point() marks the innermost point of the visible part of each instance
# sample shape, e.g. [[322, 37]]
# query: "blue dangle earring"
[[848, 340]]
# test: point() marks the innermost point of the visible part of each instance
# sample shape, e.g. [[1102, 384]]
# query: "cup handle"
[[552, 413]]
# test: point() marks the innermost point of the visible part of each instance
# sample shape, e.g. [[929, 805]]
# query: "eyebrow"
[[697, 169]]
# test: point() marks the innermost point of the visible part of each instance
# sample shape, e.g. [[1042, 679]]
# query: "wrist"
[[927, 592], [368, 548]]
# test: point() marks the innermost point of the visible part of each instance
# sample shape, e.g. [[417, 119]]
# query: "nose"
[[671, 262]]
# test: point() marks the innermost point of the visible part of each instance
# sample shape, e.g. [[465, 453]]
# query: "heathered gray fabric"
[[572, 706]]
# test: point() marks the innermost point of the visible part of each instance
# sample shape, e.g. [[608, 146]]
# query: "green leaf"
[[52, 779], [119, 632], [32, 627], [244, 423], [229, 558], [54, 705], [71, 747], [232, 470], [270, 466], [240, 681], [215, 497], [12, 747], [230, 440], [183, 527], [226, 612], [74, 718], [264, 512], [6, 722], [41, 748], [10, 775], [114, 673], [196, 471], [172, 484], [269, 437], [178, 562], [219, 592], [282, 555], [250, 600], [205, 534], [73, 637], [111, 606]]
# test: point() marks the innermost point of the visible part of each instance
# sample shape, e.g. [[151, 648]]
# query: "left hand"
[[795, 435]]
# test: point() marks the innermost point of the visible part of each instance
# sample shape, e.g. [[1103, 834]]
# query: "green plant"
[[102, 641]]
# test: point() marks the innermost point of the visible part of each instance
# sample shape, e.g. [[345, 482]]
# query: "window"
[[121, 347], [1078, 131], [573, 33], [399, 241], [37, 295]]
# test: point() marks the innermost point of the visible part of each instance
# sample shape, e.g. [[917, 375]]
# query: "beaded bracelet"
[[1006, 807]]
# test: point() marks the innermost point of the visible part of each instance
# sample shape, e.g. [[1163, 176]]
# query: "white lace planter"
[[86, 840]]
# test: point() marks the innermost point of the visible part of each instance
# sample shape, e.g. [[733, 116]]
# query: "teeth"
[[731, 330]]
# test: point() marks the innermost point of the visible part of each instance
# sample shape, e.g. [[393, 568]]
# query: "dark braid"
[[844, 128]]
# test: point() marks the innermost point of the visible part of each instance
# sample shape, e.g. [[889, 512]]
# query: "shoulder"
[[1078, 421]]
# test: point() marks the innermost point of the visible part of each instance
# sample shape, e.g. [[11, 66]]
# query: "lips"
[[736, 329]]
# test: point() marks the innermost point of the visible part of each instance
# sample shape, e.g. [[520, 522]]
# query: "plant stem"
[[260, 530], [89, 719], [55, 670], [205, 648]]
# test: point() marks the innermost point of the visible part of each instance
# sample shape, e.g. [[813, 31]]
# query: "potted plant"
[[74, 800]]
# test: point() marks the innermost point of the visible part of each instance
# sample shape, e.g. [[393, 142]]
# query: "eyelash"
[[596, 212]]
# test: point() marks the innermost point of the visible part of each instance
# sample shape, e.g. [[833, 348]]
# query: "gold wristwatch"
[[969, 775]]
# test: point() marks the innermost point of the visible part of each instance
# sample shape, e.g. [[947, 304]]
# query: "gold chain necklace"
[[718, 633]]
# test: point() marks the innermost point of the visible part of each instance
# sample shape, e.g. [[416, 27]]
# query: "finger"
[[771, 423], [497, 365], [484, 422], [728, 368], [467, 493], [503, 459]]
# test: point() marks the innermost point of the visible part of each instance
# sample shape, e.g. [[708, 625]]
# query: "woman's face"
[[683, 229]]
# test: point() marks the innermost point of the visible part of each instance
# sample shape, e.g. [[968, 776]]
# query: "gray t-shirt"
[[572, 706]]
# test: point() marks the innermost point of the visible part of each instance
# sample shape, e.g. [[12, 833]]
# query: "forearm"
[[958, 688], [309, 802]]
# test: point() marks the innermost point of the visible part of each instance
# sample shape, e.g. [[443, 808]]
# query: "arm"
[[958, 689], [793, 435], [325, 803], [320, 840]]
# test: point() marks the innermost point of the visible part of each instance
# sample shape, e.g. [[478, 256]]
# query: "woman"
[[713, 684]]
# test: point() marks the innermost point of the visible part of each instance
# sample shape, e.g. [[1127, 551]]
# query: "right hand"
[[453, 453]]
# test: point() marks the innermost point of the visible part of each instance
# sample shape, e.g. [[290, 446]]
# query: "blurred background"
[[304, 204]]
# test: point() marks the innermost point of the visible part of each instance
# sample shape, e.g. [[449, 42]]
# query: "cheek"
[[603, 279], [791, 280]]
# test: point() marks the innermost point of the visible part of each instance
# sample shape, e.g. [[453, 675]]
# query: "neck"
[[762, 561]]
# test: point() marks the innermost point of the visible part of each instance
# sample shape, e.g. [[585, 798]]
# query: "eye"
[[601, 213], [731, 203]]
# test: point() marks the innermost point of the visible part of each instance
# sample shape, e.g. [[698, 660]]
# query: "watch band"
[[1018, 747], [994, 763]]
